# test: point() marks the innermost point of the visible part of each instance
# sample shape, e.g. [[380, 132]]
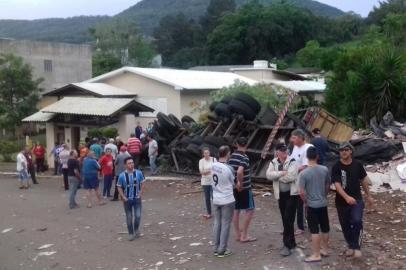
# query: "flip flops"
[[248, 240], [312, 260]]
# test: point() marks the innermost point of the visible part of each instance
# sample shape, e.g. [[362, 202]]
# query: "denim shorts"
[[23, 175]]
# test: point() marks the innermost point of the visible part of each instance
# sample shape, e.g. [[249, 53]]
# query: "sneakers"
[[285, 252], [224, 254], [131, 237]]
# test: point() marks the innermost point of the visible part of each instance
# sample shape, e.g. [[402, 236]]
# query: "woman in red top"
[[39, 152], [106, 164]]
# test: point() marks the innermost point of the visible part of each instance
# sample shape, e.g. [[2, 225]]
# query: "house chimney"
[[260, 64]]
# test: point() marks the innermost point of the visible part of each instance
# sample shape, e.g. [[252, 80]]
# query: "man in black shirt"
[[244, 199], [321, 145], [73, 177], [348, 175]]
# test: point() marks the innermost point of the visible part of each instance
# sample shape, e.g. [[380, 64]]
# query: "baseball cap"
[[242, 141], [316, 131], [346, 145], [281, 147]]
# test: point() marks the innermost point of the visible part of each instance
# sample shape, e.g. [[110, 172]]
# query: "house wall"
[[70, 62], [191, 101], [146, 88], [260, 74]]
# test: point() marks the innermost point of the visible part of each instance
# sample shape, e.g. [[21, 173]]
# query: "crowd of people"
[[301, 183]]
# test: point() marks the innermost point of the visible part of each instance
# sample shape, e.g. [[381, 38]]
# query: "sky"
[[36, 9]]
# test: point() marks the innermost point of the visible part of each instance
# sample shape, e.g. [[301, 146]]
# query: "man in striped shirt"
[[131, 186], [134, 147], [244, 199]]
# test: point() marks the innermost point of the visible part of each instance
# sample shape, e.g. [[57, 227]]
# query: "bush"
[[94, 133], [7, 148], [110, 132]]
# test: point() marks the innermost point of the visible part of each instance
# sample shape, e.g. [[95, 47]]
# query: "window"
[[158, 104], [48, 65]]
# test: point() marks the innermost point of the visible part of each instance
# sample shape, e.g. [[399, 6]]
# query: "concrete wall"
[[70, 62], [191, 101], [147, 88], [260, 74]]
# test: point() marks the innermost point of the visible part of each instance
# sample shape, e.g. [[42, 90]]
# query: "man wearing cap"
[[244, 199], [321, 146], [283, 171], [348, 176], [298, 138], [119, 168]]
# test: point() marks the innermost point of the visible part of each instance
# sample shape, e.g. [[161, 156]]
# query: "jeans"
[[300, 214], [223, 216], [31, 171], [40, 164], [152, 164], [56, 167], [287, 207], [115, 196], [73, 187], [108, 181], [208, 194], [65, 178], [350, 218], [136, 159], [128, 208]]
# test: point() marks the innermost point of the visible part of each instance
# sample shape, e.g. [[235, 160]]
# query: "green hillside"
[[149, 12], [70, 30]]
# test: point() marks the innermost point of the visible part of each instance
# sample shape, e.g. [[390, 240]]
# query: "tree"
[[215, 10], [104, 62], [258, 32], [176, 34], [379, 13], [118, 43], [19, 91]]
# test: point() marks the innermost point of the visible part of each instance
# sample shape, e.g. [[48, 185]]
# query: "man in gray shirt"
[[314, 183], [119, 168]]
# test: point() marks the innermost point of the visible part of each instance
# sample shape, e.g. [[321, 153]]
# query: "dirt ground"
[[174, 234]]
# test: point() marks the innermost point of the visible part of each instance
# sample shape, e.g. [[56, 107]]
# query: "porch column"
[[126, 126], [50, 143]]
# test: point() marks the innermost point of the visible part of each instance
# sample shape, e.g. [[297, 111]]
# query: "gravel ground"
[[174, 234]]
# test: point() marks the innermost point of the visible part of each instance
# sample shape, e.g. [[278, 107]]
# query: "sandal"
[[248, 239], [312, 260]]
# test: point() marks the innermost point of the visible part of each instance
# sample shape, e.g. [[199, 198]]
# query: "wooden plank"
[[231, 127], [217, 128], [175, 160]]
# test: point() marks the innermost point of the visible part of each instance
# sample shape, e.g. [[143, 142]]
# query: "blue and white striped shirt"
[[133, 188]]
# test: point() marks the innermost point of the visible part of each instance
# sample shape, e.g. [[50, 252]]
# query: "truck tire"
[[215, 141], [239, 107], [226, 99], [222, 110], [175, 120], [166, 122], [213, 105], [250, 101], [187, 119]]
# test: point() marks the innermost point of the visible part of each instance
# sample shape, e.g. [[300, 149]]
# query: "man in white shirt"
[[112, 147], [223, 202], [22, 170], [152, 154], [298, 138]]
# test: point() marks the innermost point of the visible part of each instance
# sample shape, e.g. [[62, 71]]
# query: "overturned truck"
[[181, 141]]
